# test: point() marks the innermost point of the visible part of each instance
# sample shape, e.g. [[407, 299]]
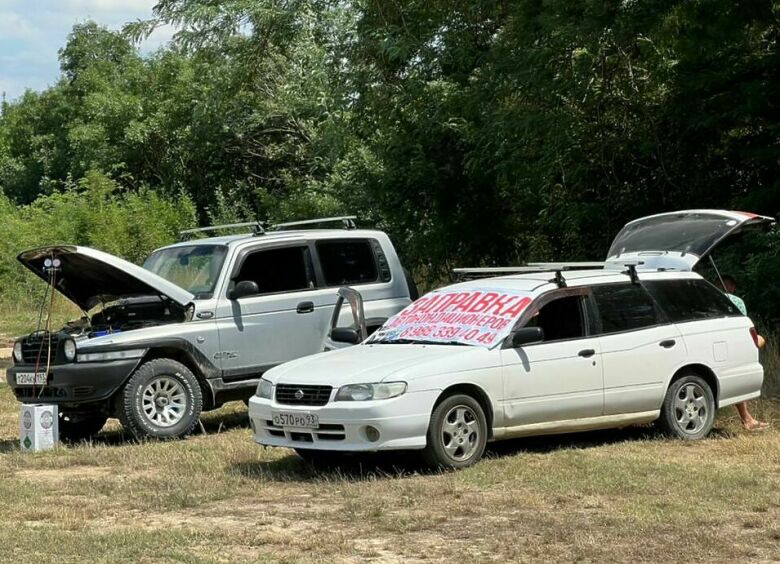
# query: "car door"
[[559, 378], [640, 349], [363, 264], [287, 319]]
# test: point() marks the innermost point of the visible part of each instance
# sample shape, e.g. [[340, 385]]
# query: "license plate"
[[31, 378], [300, 420]]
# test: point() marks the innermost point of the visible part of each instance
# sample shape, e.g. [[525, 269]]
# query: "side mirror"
[[527, 336], [244, 288], [345, 335]]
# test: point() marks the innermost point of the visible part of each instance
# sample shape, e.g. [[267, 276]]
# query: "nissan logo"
[[299, 395]]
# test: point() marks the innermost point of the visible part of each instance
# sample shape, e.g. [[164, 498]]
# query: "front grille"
[[35, 348], [325, 432], [293, 394]]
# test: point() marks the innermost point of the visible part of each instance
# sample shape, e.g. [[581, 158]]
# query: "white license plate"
[[31, 378], [300, 420]]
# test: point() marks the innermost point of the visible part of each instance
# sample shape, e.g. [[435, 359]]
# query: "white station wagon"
[[546, 349]]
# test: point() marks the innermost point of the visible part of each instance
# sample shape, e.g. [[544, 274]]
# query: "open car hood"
[[88, 277], [678, 240]]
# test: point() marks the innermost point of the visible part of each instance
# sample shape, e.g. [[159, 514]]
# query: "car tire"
[[688, 411], [75, 427], [162, 400], [457, 433]]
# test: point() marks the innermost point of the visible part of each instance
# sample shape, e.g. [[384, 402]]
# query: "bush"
[[93, 212]]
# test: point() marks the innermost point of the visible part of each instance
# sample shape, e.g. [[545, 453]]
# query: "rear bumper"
[[73, 384], [740, 384], [402, 423]]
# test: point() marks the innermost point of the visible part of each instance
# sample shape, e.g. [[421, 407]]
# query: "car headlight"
[[69, 349], [265, 389], [365, 392], [18, 351]]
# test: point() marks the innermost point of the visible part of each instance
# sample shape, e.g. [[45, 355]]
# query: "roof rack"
[[631, 270], [583, 265], [257, 229], [490, 271], [347, 222], [261, 227]]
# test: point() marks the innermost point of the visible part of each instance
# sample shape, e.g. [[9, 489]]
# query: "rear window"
[[624, 307], [685, 232], [347, 262], [690, 300]]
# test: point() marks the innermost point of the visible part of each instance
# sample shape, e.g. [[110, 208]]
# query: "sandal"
[[757, 426]]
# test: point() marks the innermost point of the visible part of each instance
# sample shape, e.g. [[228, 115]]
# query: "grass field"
[[618, 495]]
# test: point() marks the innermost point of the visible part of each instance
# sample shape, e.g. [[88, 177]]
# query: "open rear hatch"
[[89, 277], [678, 240]]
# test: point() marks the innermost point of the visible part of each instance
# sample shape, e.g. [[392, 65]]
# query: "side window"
[[560, 319], [347, 262], [624, 307], [278, 270], [691, 299]]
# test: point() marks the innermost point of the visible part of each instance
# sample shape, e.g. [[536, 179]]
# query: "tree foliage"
[[488, 132]]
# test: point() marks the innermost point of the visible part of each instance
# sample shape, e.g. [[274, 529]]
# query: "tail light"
[[754, 334]]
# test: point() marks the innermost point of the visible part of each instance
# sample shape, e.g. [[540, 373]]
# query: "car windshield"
[[194, 267], [473, 316]]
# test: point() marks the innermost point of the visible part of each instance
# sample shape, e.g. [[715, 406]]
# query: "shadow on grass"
[[398, 464], [334, 467], [8, 445], [212, 424]]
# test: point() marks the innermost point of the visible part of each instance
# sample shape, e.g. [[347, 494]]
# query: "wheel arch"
[[700, 370], [475, 391], [180, 354]]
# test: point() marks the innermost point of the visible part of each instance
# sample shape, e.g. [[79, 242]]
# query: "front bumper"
[[402, 423], [74, 383]]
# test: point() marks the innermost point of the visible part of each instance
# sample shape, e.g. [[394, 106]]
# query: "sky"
[[32, 31]]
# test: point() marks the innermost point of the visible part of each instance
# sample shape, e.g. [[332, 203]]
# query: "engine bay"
[[123, 315]]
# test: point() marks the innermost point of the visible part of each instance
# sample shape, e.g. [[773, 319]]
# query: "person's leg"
[[748, 421]]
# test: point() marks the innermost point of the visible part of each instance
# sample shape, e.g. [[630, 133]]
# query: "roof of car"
[[538, 282], [291, 235]]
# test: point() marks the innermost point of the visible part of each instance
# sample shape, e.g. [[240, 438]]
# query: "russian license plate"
[[31, 378], [300, 420]]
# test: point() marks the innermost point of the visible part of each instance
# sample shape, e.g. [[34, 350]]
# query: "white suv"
[[543, 350]]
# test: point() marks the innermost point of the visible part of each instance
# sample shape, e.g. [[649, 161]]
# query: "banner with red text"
[[479, 316]]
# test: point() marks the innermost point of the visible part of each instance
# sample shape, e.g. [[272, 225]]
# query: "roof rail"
[[347, 222], [260, 227], [257, 229], [583, 265], [490, 271]]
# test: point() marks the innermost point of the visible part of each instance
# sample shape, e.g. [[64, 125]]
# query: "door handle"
[[668, 344], [305, 307], [586, 353]]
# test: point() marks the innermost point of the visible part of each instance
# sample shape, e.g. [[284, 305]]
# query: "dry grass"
[[620, 495]]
